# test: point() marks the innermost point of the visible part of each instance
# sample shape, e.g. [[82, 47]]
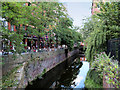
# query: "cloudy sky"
[[78, 10]]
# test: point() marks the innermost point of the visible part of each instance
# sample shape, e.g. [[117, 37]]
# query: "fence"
[[114, 48]]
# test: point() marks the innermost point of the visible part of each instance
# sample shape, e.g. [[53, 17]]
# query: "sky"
[[78, 10]]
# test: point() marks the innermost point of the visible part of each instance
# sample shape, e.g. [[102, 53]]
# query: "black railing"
[[114, 48]]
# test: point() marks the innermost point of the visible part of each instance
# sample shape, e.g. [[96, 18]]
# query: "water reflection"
[[62, 77], [73, 77], [79, 81], [66, 79]]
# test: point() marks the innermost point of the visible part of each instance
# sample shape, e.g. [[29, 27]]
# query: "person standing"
[[28, 48]]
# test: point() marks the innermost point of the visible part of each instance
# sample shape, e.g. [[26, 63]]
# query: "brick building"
[[95, 7]]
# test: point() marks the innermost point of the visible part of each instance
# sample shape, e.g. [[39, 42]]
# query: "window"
[[29, 4], [23, 27], [5, 24], [24, 4], [98, 6], [12, 27], [1, 23], [17, 27]]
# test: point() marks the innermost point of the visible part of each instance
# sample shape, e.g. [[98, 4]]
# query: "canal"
[[63, 75]]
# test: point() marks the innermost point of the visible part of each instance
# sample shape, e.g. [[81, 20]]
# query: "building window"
[[24, 4], [17, 27], [29, 4], [1, 23], [5, 24], [12, 27], [98, 6], [23, 27]]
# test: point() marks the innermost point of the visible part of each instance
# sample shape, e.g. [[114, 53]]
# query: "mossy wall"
[[31, 66]]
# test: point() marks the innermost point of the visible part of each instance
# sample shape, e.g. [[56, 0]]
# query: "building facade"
[[95, 7]]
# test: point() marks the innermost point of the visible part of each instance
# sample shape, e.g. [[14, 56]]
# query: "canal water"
[[63, 76]]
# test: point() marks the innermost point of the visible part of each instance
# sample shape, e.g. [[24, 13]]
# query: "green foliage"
[[41, 59], [88, 26], [110, 16], [13, 12], [39, 18], [8, 80], [94, 46], [95, 42], [93, 80], [43, 72], [100, 28], [104, 65], [69, 36], [15, 17]]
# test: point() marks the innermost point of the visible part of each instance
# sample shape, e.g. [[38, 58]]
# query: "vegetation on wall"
[[9, 80]]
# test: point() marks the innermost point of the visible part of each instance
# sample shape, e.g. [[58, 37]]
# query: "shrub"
[[110, 68]]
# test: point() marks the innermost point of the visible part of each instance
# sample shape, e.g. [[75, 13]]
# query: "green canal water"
[[63, 76]]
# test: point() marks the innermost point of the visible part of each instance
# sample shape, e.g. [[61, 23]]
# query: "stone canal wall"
[[32, 65]]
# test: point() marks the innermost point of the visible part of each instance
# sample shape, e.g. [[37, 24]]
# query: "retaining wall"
[[33, 64]]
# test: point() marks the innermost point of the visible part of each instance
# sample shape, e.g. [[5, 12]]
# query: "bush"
[[110, 68], [93, 80]]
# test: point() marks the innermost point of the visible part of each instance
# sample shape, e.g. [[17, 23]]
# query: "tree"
[[16, 17], [88, 26], [106, 28], [40, 18]]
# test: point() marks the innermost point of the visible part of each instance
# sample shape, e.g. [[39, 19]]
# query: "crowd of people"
[[35, 49]]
